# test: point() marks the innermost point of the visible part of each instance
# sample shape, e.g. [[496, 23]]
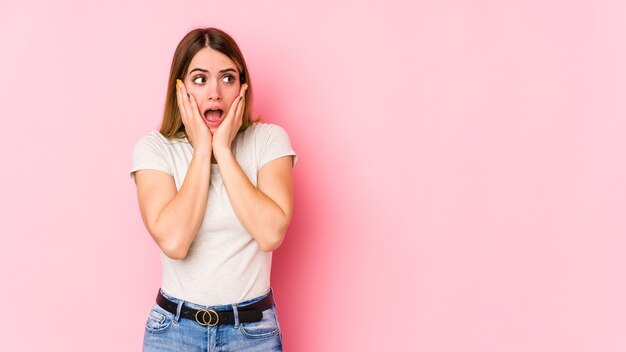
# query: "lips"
[[213, 116]]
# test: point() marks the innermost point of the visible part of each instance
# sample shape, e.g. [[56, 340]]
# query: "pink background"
[[461, 183]]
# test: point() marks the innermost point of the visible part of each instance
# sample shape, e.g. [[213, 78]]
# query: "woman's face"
[[213, 79]]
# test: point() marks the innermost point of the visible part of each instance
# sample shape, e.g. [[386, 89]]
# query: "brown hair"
[[196, 40]]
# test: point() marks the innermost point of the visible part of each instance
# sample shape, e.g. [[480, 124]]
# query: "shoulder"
[[261, 130], [153, 151], [156, 141], [152, 138], [272, 141]]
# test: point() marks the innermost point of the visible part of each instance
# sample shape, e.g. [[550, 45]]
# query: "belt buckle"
[[206, 312]]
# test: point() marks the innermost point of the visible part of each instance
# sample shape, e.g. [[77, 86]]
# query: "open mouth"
[[213, 116]]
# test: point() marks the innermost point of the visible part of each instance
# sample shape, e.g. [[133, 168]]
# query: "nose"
[[214, 92]]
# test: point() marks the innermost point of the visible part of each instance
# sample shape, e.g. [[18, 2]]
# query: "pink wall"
[[461, 181]]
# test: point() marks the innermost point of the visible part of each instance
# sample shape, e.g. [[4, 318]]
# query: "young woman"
[[215, 193]]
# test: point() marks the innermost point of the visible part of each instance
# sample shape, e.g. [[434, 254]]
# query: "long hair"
[[172, 125]]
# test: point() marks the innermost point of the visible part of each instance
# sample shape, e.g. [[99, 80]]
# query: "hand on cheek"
[[195, 128], [225, 133]]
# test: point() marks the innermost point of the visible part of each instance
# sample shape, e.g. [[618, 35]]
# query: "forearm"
[[257, 212], [179, 221]]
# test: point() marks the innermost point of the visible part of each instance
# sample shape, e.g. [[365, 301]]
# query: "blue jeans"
[[167, 331]]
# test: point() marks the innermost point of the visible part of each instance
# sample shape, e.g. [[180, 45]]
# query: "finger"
[[194, 106], [243, 89], [242, 102], [179, 100], [240, 108], [184, 97]]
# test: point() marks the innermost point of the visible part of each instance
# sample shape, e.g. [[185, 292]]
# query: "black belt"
[[209, 317]]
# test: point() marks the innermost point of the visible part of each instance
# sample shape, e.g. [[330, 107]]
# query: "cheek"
[[231, 98], [193, 89]]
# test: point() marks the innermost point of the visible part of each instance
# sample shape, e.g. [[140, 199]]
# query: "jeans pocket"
[[158, 320], [266, 327]]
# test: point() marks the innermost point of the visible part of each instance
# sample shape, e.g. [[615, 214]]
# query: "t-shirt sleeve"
[[149, 154], [274, 143]]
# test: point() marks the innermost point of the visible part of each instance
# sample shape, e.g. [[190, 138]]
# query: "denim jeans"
[[167, 331]]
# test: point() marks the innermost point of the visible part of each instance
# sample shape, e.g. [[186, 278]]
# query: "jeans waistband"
[[217, 307]]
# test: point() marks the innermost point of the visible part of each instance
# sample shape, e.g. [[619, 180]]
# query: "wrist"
[[202, 152], [221, 152]]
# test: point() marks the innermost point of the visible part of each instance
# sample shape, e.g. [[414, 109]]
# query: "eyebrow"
[[203, 70]]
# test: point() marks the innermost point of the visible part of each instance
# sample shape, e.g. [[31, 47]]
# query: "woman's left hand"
[[227, 130]]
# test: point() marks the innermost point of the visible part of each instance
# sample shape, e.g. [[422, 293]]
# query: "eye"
[[228, 78], [195, 79]]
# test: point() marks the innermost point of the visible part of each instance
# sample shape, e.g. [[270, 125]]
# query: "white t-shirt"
[[224, 264]]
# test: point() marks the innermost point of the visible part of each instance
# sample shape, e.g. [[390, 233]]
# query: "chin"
[[210, 127]]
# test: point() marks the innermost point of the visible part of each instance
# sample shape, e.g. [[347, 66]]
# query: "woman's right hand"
[[197, 131]]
